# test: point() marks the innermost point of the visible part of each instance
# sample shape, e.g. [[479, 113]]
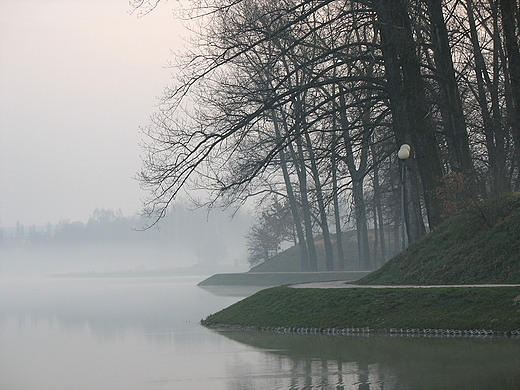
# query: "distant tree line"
[[307, 102], [212, 237]]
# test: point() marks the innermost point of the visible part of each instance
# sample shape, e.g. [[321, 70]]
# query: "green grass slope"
[[289, 260], [479, 246], [462, 308]]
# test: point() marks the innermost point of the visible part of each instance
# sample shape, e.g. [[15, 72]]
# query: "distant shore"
[[196, 270]]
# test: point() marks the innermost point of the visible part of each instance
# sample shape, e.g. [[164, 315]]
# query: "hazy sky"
[[77, 80]]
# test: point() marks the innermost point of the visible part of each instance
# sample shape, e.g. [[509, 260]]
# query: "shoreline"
[[465, 311], [392, 332]]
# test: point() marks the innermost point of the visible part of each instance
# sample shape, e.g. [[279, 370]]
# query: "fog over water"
[[99, 333], [144, 333]]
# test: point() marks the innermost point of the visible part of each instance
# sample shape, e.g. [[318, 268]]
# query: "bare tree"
[[307, 99]]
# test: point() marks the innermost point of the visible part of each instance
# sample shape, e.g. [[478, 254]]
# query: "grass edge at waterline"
[[495, 310]]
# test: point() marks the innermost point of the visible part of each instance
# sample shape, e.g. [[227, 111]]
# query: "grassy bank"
[[481, 245], [290, 259], [278, 278], [468, 308]]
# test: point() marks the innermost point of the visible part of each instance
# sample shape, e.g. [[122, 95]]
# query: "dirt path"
[[347, 284]]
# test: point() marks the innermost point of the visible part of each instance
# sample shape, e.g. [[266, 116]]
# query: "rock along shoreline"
[[366, 331]]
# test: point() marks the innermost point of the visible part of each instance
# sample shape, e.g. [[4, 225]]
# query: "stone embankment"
[[403, 332]]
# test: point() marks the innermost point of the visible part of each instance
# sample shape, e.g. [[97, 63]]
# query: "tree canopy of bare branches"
[[309, 101]]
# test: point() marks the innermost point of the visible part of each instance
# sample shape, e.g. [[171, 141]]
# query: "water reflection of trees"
[[310, 373], [379, 362]]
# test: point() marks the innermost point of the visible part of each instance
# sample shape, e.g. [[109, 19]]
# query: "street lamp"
[[403, 154]]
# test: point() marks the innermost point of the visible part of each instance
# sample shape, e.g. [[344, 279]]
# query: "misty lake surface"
[[144, 333]]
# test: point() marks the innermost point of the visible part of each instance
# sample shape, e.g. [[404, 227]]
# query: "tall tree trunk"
[[378, 211], [485, 87], [511, 25], [335, 189], [299, 158], [293, 204], [450, 102], [498, 125], [300, 166], [415, 228], [408, 102], [335, 200], [376, 255], [357, 175], [361, 225], [329, 259], [401, 123]]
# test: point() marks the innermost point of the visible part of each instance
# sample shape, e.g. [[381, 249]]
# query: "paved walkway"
[[347, 284]]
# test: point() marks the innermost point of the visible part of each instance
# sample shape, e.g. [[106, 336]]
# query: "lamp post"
[[403, 154]]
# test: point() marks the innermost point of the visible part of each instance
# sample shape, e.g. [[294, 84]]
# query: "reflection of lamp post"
[[403, 154]]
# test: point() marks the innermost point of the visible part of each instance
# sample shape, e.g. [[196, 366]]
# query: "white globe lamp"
[[404, 152]]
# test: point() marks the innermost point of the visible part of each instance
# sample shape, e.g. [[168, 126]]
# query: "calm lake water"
[[144, 333]]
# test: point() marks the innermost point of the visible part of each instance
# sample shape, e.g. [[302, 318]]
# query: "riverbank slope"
[[479, 246], [377, 310]]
